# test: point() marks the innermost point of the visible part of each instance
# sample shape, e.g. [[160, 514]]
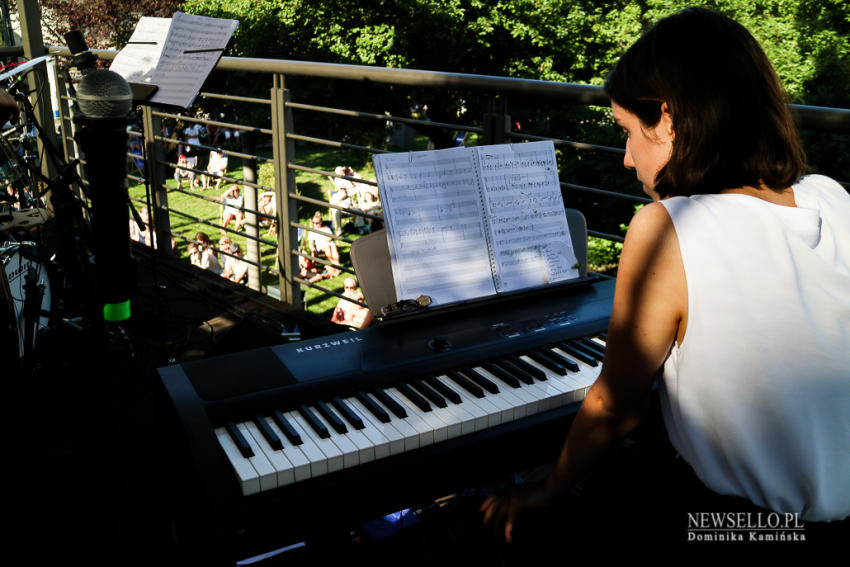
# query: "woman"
[[735, 282]]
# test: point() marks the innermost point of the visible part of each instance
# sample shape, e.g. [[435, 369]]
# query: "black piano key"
[[589, 351], [501, 374], [562, 360], [603, 336], [482, 381], [447, 392], [390, 403], [314, 422], [593, 346], [465, 383], [373, 407], [348, 413], [268, 433], [287, 428], [515, 370], [533, 370], [331, 417], [578, 353], [411, 395], [240, 441], [547, 362], [432, 396]]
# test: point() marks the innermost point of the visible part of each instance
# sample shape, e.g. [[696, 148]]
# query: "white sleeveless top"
[[757, 396]]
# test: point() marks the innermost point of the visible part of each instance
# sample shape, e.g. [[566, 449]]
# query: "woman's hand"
[[502, 508]]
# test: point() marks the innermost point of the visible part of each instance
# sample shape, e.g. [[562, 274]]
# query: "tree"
[[104, 23]]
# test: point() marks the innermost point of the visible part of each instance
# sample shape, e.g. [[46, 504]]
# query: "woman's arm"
[[650, 306]]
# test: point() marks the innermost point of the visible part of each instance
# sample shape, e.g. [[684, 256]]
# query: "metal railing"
[[282, 138]]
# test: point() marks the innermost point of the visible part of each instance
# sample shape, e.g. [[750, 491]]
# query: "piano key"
[[533, 370], [593, 346], [573, 389], [286, 428], [249, 480], [285, 474], [413, 397], [529, 391], [463, 419], [465, 383], [270, 436], [469, 403], [300, 462], [488, 385], [560, 390], [379, 442], [420, 386], [386, 430], [410, 435], [350, 451], [561, 358], [313, 421], [572, 351], [515, 370], [507, 398], [266, 472], [497, 372], [547, 362], [330, 417], [346, 412], [586, 350], [422, 422], [390, 403], [372, 407], [314, 455], [443, 389], [239, 440], [332, 454]]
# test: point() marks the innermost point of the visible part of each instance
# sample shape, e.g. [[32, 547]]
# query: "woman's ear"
[[667, 121]]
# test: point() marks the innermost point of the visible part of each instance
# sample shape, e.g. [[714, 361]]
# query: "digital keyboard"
[[268, 427]]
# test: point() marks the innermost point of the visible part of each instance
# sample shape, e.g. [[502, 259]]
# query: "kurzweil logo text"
[[328, 344]]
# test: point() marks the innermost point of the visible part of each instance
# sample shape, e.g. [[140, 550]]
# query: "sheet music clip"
[[406, 305]]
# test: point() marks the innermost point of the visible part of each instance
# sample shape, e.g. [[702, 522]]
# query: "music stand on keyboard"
[[370, 256]]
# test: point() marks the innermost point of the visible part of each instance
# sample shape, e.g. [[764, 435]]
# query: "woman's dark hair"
[[731, 123]]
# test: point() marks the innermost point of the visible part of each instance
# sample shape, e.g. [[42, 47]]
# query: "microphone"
[[105, 100]]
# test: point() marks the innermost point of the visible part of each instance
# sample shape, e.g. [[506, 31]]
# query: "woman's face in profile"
[[647, 148]]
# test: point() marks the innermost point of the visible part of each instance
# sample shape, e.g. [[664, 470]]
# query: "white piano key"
[[378, 445], [553, 380], [332, 454], [463, 420], [281, 464], [300, 463], [478, 416], [414, 418], [249, 479], [350, 452], [519, 403], [266, 472], [394, 438]]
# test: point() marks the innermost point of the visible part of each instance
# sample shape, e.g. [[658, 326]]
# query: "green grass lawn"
[[200, 213]]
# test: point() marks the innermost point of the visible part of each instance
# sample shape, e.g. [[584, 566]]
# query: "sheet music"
[[138, 60], [432, 208], [530, 237], [176, 54]]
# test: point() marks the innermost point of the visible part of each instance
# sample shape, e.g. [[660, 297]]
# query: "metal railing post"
[[287, 209], [249, 192], [155, 174], [497, 125]]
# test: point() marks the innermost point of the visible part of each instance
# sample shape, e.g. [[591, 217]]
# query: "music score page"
[[465, 223], [176, 54]]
